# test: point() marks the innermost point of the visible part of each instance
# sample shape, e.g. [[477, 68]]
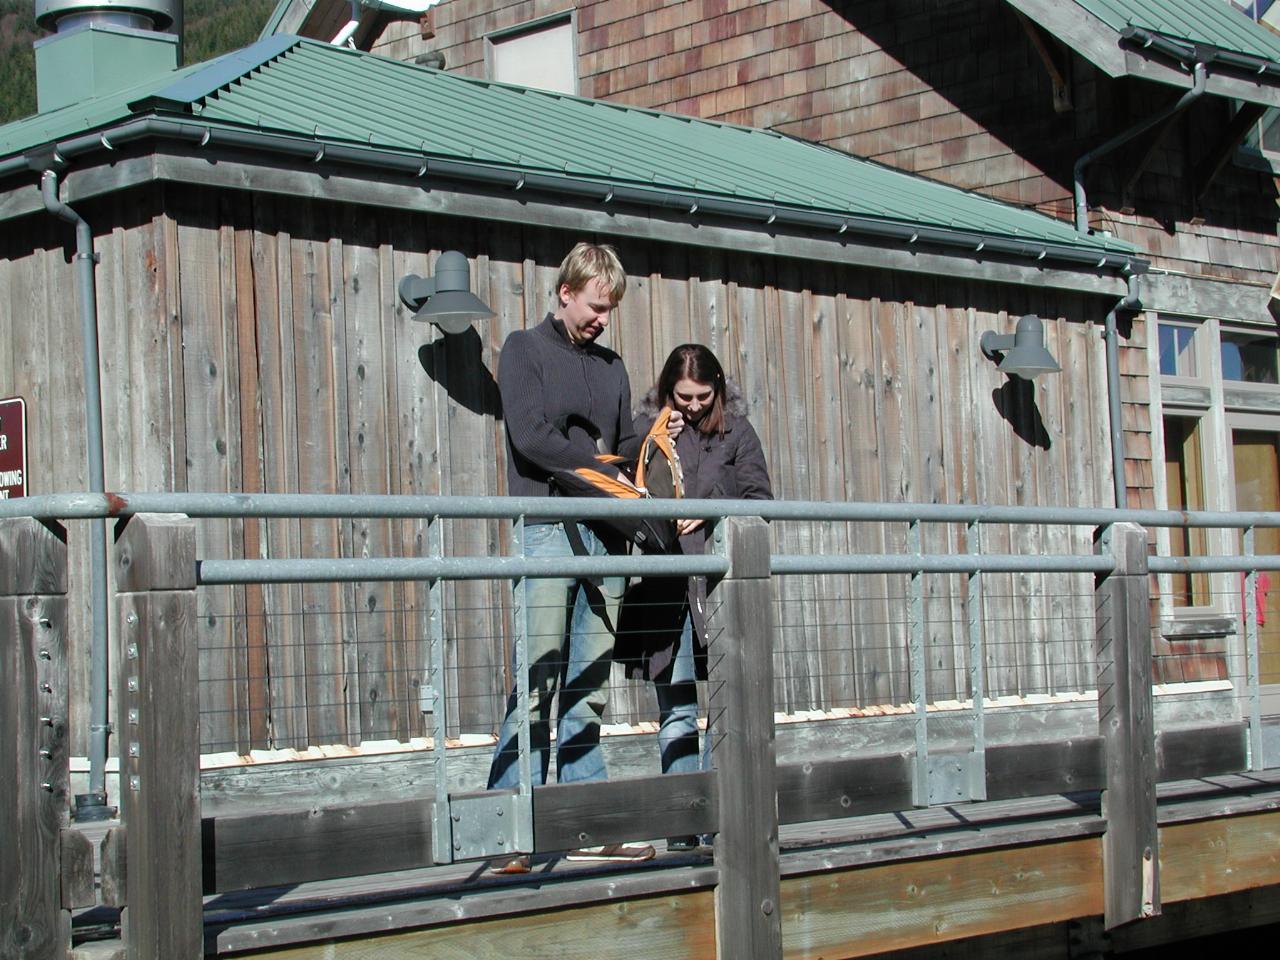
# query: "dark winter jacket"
[[716, 466], [544, 378]]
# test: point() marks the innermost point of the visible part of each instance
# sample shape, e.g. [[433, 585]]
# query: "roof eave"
[[183, 128], [1127, 54]]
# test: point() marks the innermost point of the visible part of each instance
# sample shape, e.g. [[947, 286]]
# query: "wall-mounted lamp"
[[445, 299], [1024, 353]]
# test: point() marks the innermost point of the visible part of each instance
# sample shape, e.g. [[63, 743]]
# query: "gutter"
[[93, 805], [1200, 76], [1188, 52], [690, 202]]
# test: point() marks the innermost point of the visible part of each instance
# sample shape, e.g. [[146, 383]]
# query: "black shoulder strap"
[[595, 599]]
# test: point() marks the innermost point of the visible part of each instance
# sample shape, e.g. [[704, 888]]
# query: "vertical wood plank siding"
[[253, 343]]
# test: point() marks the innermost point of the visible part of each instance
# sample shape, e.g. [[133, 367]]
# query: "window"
[[539, 54], [1184, 486], [1178, 351], [1218, 389], [1249, 357]]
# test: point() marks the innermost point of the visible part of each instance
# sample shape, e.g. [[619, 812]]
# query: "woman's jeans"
[[677, 691], [570, 648]]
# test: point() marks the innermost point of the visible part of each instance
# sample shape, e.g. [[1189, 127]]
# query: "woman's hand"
[[688, 525], [675, 424]]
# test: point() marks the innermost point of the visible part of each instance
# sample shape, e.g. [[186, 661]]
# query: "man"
[[546, 376]]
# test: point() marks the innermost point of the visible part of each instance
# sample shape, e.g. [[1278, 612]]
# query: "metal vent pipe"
[[61, 16]]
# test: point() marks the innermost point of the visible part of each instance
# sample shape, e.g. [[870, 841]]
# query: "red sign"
[[13, 448]]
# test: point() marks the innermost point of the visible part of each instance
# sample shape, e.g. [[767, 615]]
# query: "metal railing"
[[928, 778]]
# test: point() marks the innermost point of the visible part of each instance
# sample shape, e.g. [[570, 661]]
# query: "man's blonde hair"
[[593, 261]]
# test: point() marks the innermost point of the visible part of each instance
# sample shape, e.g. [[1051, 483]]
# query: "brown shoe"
[[612, 853], [516, 863]]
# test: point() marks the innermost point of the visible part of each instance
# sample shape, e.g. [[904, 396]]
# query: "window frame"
[[1200, 397], [567, 17]]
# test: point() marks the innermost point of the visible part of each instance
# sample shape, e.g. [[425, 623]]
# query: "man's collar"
[[561, 335]]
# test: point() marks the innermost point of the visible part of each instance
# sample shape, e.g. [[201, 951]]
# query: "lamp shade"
[[453, 310], [1024, 353], [445, 299]]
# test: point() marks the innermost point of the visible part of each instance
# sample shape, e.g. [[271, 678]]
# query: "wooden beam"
[[1207, 169], [158, 731], [570, 815], [1040, 769], [319, 843], [1225, 855], [1123, 650], [248, 849], [1189, 754], [741, 638], [115, 865], [34, 740], [672, 926], [219, 168], [844, 787], [1057, 62], [912, 903], [77, 870]]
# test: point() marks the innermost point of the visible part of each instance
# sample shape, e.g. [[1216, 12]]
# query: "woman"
[[721, 458]]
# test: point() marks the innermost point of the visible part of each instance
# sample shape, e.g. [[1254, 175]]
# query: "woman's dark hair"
[[695, 362]]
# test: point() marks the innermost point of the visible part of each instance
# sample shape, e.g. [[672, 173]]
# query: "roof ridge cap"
[[217, 73]]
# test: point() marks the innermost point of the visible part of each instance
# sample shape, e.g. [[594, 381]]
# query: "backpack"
[[655, 471]]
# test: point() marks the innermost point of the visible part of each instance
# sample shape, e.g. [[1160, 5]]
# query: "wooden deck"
[[1018, 878]]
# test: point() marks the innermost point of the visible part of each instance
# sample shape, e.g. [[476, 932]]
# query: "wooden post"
[[34, 748], [1130, 846], [740, 628], [159, 738]]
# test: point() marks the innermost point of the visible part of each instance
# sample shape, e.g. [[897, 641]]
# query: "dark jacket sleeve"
[[752, 473], [628, 445], [533, 436]]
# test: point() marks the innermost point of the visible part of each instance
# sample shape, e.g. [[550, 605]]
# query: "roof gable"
[[1159, 39]]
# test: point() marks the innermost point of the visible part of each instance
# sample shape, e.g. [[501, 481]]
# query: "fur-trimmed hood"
[[735, 404]]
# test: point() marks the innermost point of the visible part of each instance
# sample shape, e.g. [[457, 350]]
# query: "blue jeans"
[[570, 649], [677, 691]]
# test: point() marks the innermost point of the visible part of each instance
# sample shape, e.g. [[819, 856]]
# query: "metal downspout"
[[92, 806], [1199, 74], [1131, 302]]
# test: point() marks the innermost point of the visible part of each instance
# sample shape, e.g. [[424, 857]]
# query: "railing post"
[[1130, 846], [1252, 661], [159, 738], [740, 626], [33, 739]]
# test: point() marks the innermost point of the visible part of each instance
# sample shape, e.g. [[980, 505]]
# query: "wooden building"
[[252, 340], [251, 219], [1001, 97]]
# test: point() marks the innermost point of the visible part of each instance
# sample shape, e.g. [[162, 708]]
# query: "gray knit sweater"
[[544, 378]]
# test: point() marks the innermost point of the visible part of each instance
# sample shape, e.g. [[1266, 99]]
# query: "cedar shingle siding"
[[952, 89]]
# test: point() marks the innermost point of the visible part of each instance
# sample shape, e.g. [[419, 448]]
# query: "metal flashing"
[[217, 73]]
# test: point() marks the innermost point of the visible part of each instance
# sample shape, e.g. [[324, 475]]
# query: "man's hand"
[[684, 526], [675, 424]]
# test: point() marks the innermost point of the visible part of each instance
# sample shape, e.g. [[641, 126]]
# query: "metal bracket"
[[953, 778], [481, 825]]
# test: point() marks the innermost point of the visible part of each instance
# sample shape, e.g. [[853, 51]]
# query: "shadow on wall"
[[456, 363], [1016, 402]]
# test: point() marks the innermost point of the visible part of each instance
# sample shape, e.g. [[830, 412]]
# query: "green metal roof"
[[1213, 22], [346, 99]]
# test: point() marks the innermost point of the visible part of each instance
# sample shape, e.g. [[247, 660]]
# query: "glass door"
[[1255, 455]]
